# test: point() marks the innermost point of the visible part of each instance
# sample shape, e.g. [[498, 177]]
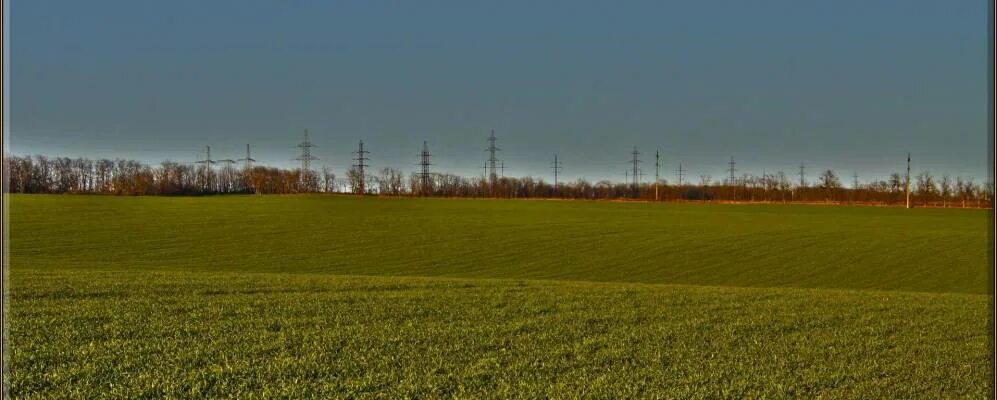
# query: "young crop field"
[[334, 296]]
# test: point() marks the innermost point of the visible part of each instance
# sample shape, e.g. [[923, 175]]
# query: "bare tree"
[[328, 179], [391, 182], [945, 187], [829, 184], [926, 188], [355, 180]]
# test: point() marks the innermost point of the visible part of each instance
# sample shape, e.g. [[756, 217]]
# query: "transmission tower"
[[855, 180], [306, 156], [492, 160], [657, 171], [248, 160], [361, 163], [425, 179], [636, 171], [557, 167], [733, 179], [502, 168], [680, 172], [803, 169], [207, 158]]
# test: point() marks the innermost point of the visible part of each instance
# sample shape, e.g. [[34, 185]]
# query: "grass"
[[931, 250], [319, 296]]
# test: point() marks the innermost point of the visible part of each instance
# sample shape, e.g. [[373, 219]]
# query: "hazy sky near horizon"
[[846, 85]]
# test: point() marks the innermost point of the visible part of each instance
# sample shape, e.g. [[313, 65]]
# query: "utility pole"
[[733, 182], [248, 160], [855, 181], [424, 176], [681, 172], [635, 161], [556, 167], [907, 184], [492, 160], [502, 168], [657, 171], [361, 163]]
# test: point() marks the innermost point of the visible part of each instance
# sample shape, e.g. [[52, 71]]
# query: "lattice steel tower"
[[492, 159], [361, 163], [557, 167], [306, 156], [248, 160], [733, 179], [425, 178]]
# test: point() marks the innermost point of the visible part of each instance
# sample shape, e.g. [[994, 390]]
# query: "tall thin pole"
[[907, 183], [681, 173]]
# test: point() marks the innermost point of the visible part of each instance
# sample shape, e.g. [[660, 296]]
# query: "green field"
[[331, 296]]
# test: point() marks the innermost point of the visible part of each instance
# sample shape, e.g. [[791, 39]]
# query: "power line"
[[361, 163], [226, 161]]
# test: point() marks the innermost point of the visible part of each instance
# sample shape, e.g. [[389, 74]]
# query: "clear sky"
[[847, 85]]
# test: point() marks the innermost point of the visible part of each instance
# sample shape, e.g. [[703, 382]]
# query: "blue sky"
[[847, 85]]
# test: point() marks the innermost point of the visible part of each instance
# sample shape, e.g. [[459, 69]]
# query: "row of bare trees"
[[39, 174]]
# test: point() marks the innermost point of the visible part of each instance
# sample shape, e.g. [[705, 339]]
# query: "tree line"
[[40, 174]]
